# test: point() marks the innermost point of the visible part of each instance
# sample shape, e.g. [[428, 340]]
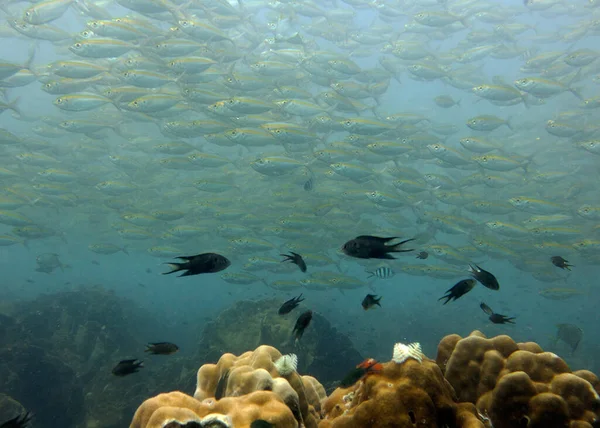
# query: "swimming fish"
[[201, 263], [558, 261], [570, 334], [370, 301], [484, 277], [460, 289], [296, 259], [20, 421], [383, 272], [494, 317], [162, 348], [127, 367], [373, 247], [302, 323], [290, 305], [423, 255]]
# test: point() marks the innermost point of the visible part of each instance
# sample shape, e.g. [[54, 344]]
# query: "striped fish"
[[383, 272]]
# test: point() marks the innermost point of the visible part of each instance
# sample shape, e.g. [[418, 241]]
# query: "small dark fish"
[[290, 305], [162, 348], [222, 385], [95, 262], [308, 185], [20, 421], [494, 317], [261, 423], [301, 324], [423, 255], [558, 261], [201, 263], [373, 247], [570, 334], [296, 259], [484, 277], [460, 289], [370, 301], [368, 366], [127, 367]]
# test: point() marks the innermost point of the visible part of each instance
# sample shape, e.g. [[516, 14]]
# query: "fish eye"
[[59, 100], [484, 159]]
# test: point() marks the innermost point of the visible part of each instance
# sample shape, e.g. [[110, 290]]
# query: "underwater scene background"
[[284, 138]]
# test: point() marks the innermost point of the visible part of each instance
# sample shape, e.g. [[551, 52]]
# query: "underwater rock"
[[43, 384], [323, 351], [9, 408]]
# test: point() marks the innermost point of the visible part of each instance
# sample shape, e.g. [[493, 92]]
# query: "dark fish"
[[494, 317], [368, 366], [301, 324], [308, 185], [570, 334], [20, 421], [296, 259], [290, 305], [201, 263], [558, 261], [372, 247], [261, 423], [222, 385], [162, 348], [370, 301], [460, 289], [484, 277], [423, 255], [127, 367]]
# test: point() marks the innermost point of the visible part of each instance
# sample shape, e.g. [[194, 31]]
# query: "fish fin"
[[377, 239], [176, 267], [387, 256]]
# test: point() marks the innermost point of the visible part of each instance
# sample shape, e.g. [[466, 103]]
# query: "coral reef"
[[518, 384], [177, 409], [475, 382], [325, 355], [406, 393], [261, 384]]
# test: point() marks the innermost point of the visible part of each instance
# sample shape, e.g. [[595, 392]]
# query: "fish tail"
[[395, 248], [175, 267]]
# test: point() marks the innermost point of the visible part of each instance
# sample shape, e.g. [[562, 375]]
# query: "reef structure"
[[238, 390], [475, 382]]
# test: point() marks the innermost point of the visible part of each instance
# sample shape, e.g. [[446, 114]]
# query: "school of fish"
[[287, 127]]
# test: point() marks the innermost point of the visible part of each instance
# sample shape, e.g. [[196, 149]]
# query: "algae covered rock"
[[323, 352]]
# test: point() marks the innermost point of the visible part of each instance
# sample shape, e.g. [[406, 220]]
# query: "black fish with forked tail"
[[301, 324], [290, 305], [296, 259], [373, 247], [21, 421], [201, 263]]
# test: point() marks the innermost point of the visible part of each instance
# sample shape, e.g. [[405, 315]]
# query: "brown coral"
[[401, 395], [256, 371], [176, 409], [518, 385]]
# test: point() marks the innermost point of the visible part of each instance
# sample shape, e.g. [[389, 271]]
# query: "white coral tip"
[[287, 364], [402, 352]]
